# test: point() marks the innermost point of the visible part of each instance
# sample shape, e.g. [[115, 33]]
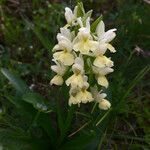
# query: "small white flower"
[[64, 47], [70, 16], [100, 75], [105, 36], [100, 98], [60, 69], [78, 66]]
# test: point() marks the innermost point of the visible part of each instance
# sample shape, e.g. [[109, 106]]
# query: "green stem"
[[103, 117], [93, 108]]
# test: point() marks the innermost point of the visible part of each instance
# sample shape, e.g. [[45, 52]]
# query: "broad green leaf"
[[17, 82], [36, 100], [95, 23], [26, 110]]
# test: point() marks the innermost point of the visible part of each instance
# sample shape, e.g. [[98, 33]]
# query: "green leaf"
[[79, 142], [67, 123], [95, 23], [13, 137], [36, 100], [24, 109], [80, 10], [45, 122], [18, 83]]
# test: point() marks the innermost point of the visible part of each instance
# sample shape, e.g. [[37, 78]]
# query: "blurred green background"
[[27, 35]]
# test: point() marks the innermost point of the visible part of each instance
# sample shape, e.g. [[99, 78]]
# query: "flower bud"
[[104, 104]]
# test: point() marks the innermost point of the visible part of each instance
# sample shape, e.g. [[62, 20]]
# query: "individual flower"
[[105, 37], [71, 16], [104, 104], [101, 75], [60, 69], [82, 95], [77, 79], [102, 61], [99, 97], [64, 47], [84, 42]]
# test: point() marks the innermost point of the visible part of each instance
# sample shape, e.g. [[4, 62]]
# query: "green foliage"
[[18, 84], [36, 116]]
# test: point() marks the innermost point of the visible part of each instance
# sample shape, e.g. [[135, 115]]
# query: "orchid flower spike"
[[80, 58]]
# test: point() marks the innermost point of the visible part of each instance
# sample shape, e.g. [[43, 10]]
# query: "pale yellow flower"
[[60, 69], [104, 104], [64, 48], [102, 61], [100, 75], [84, 42], [82, 95], [73, 100], [57, 80], [64, 57], [77, 79], [85, 46]]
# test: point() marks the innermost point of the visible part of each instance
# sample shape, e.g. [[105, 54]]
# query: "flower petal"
[[104, 104], [111, 48], [100, 30], [57, 80], [102, 61], [64, 57], [69, 15], [102, 80], [75, 80], [84, 96]]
